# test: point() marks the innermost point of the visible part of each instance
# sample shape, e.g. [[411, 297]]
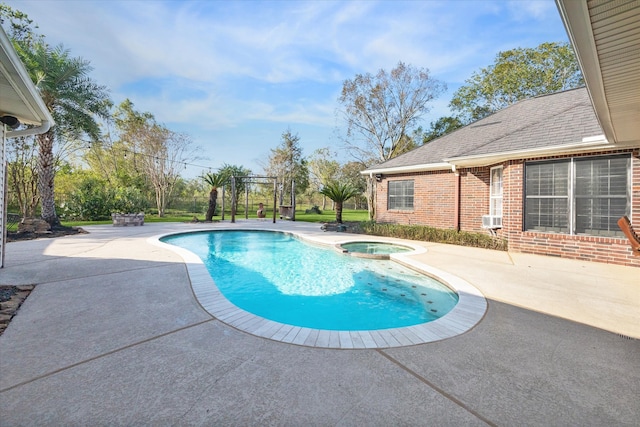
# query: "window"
[[601, 195], [400, 195], [547, 197], [495, 193], [577, 196]]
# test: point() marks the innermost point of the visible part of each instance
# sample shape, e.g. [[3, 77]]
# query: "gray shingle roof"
[[544, 121]]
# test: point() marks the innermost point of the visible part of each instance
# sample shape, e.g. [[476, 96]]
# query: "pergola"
[[259, 179]]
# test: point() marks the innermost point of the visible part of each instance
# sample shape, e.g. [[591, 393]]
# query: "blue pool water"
[[278, 277], [374, 248]]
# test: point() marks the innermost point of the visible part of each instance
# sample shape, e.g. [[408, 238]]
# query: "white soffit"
[[18, 95], [606, 37]]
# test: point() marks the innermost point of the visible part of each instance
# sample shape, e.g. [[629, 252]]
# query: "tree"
[[322, 168], [515, 75], [350, 174], [440, 127], [215, 180], [74, 101], [72, 98], [287, 164], [18, 26], [22, 174], [159, 152], [236, 170], [379, 110], [339, 193]]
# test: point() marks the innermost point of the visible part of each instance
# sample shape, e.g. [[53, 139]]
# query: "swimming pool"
[[468, 312], [278, 277]]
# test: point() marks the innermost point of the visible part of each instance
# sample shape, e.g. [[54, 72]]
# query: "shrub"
[[128, 200], [313, 210], [93, 200], [437, 235], [90, 201]]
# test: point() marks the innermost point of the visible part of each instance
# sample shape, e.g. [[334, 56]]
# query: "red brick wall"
[[474, 197], [602, 249], [434, 205], [433, 200]]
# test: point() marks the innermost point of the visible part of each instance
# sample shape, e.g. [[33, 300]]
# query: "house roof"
[[20, 97], [606, 38], [556, 123]]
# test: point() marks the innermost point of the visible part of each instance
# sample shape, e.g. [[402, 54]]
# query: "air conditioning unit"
[[490, 221]]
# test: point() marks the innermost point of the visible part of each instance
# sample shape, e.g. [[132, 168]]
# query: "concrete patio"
[[114, 335]]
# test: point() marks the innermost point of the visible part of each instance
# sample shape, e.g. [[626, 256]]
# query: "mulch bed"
[[11, 298], [56, 231]]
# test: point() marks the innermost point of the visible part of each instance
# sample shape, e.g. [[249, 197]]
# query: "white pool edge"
[[466, 314]]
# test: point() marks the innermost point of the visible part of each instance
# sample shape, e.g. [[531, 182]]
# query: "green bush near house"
[[437, 235]]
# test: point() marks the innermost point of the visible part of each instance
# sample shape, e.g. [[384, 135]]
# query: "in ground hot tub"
[[376, 250]]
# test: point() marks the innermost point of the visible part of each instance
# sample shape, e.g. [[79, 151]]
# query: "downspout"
[[371, 197], [456, 198]]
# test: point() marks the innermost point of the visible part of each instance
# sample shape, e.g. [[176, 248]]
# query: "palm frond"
[[339, 192], [215, 180]]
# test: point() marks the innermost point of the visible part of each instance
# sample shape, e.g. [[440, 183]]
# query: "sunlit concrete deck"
[[113, 334]]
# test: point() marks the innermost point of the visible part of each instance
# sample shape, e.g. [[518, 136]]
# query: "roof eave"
[[609, 62], [577, 22], [595, 143], [17, 78], [407, 169]]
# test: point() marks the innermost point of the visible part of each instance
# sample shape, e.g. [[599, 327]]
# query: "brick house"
[[540, 173], [550, 174]]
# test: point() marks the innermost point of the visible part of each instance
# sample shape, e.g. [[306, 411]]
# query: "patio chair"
[[627, 229]]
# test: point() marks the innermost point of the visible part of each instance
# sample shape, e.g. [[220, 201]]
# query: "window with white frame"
[[584, 195], [495, 193], [400, 195]]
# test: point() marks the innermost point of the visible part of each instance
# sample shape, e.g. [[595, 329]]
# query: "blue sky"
[[235, 75]]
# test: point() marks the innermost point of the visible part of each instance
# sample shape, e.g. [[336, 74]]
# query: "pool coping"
[[467, 313]]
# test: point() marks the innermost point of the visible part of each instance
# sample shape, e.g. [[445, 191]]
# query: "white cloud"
[[247, 68]]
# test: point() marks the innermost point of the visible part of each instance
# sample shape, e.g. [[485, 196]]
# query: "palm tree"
[[215, 180], [74, 101], [339, 193]]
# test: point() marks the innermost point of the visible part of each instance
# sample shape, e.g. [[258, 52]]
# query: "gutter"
[[38, 130], [587, 144], [406, 169]]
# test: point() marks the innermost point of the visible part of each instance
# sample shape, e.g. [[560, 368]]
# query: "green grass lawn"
[[326, 216]]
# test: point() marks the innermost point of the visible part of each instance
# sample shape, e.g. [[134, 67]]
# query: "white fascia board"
[[407, 169], [18, 78], [598, 142]]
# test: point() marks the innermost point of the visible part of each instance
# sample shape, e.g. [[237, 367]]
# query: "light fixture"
[[12, 122], [378, 177]]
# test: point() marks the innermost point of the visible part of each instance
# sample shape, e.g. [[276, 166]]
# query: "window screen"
[[579, 196], [495, 192], [601, 194], [400, 195], [547, 197]]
